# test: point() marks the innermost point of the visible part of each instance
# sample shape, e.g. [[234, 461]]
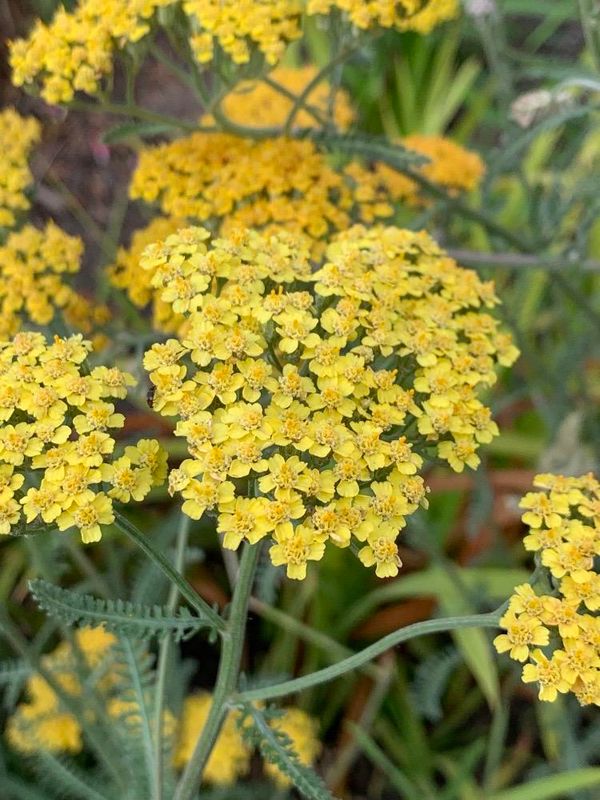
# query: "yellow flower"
[[17, 136], [449, 165], [568, 546], [522, 632], [295, 549], [62, 441], [298, 403], [548, 673], [32, 286], [302, 731], [261, 104], [229, 758]]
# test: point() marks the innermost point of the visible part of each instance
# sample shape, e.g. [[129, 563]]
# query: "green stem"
[[229, 667], [471, 258], [185, 589], [300, 102], [163, 661], [134, 111], [368, 654]]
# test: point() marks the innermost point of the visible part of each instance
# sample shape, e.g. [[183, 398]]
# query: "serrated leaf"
[[119, 616], [276, 748], [373, 148]]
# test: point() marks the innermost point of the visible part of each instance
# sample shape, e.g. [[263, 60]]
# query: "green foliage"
[[119, 616], [277, 748]]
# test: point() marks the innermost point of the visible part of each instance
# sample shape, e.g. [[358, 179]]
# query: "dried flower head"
[[310, 394]]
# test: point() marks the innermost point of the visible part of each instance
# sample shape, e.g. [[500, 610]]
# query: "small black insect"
[[150, 395]]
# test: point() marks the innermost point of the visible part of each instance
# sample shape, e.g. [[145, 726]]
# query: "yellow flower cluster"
[[17, 136], [56, 452], [563, 621], [259, 104], [32, 290], [75, 51], [227, 182], [450, 165], [406, 15], [305, 394], [40, 723], [236, 25], [302, 731], [230, 757]]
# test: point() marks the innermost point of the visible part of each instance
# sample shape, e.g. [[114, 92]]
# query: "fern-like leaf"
[[64, 779], [431, 679], [132, 620], [277, 748], [372, 148]]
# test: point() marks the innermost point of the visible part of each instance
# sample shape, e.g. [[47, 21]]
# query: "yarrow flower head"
[[554, 626], [17, 136], [40, 722], [310, 394], [257, 103], [230, 758], [58, 464], [74, 52], [33, 263], [449, 165], [406, 15], [91, 661], [227, 182]]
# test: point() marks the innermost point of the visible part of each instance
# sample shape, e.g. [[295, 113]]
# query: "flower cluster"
[[450, 166], [40, 722], [17, 136], [308, 397], [406, 15], [236, 25], [57, 460], [32, 290], [74, 52], [242, 183], [258, 104], [228, 182], [230, 757], [554, 625]]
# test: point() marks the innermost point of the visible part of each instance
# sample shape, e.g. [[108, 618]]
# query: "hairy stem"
[[164, 655], [184, 588], [229, 667], [369, 653]]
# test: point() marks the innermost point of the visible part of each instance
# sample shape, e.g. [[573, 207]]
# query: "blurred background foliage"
[[518, 81]]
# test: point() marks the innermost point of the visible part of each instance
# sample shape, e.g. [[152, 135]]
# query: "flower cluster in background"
[[449, 165], [258, 103], [310, 397], [230, 758], [407, 15], [32, 288], [17, 136], [40, 722], [74, 52], [554, 625], [56, 452]]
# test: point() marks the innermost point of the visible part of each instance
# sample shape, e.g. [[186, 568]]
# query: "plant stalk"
[[229, 667], [368, 654], [164, 655], [185, 589]]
